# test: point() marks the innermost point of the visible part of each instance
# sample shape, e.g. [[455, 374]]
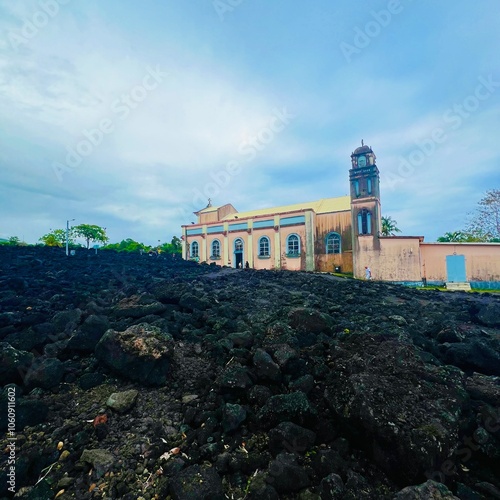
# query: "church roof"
[[323, 206], [362, 149], [208, 209]]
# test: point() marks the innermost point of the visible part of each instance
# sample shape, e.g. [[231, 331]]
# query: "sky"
[[130, 115]]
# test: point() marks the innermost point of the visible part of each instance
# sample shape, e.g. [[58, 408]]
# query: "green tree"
[[91, 233], [455, 236], [389, 226], [128, 245], [56, 238], [175, 246], [13, 241], [486, 220]]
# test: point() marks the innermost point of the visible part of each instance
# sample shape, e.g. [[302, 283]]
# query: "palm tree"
[[389, 226], [455, 236]]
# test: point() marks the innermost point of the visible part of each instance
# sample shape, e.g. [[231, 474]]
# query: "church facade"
[[340, 234]]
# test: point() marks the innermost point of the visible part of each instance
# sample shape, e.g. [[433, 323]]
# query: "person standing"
[[368, 273]]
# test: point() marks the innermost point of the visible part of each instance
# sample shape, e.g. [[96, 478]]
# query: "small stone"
[[64, 455], [122, 401], [65, 482], [188, 398]]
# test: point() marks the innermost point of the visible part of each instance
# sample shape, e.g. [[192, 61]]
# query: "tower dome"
[[363, 156]]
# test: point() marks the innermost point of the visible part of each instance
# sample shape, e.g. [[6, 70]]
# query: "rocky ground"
[[150, 377]]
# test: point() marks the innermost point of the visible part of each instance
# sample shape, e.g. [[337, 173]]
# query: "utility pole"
[[67, 236]]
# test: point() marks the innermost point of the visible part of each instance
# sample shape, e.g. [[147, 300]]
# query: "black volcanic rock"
[[251, 384], [45, 373], [13, 364], [141, 352], [88, 334], [293, 407], [197, 483]]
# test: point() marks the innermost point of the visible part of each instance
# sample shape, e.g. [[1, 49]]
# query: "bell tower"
[[366, 220]]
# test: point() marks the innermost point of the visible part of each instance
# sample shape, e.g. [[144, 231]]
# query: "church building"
[[341, 234]]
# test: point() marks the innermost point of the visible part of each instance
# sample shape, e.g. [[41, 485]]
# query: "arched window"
[[238, 245], [333, 243], [293, 245], [215, 249], [264, 247], [195, 250], [364, 222]]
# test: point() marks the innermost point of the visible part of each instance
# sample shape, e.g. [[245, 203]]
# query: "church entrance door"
[[238, 253]]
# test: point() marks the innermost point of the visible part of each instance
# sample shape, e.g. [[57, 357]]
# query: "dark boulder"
[[331, 487], [142, 353], [191, 302], [138, 306], [489, 314], [45, 373], [285, 475], [430, 490], [309, 320], [233, 416], [480, 355], [197, 483], [406, 413], [88, 335], [265, 367], [235, 378], [14, 364], [290, 437], [293, 407], [67, 321]]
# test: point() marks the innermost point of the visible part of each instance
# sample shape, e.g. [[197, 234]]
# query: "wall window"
[[333, 243], [195, 250], [264, 247], [238, 245], [215, 249], [364, 222], [356, 187], [293, 245], [369, 186]]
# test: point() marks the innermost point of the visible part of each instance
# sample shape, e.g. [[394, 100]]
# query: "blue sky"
[[129, 115]]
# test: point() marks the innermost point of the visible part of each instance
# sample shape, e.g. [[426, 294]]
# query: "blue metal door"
[[455, 269]]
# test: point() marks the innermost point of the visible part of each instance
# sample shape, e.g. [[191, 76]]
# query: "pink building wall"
[[261, 262], [482, 260], [393, 258]]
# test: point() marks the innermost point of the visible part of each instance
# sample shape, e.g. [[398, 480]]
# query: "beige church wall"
[[191, 239], [208, 217], [293, 263], [389, 258], [339, 222], [210, 239], [264, 263], [482, 260]]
